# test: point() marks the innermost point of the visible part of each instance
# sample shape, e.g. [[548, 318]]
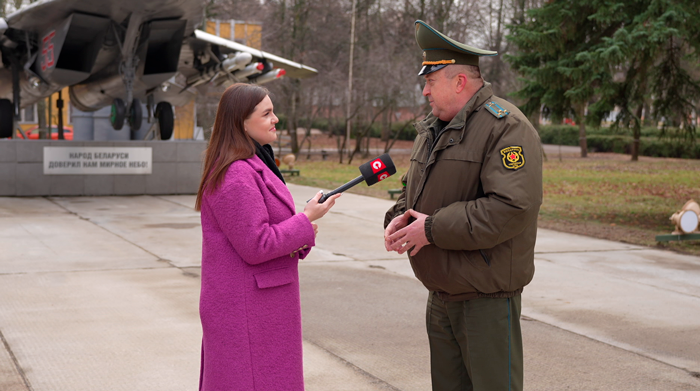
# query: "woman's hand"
[[315, 211], [315, 229]]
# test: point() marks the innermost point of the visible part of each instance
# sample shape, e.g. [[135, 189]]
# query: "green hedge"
[[559, 134], [338, 127], [607, 140], [670, 148]]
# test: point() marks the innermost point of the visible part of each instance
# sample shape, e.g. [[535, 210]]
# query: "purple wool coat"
[[249, 304]]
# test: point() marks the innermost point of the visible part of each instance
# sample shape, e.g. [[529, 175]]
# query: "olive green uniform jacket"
[[481, 185]]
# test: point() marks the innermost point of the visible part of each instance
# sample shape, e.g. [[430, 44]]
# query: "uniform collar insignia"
[[496, 109]]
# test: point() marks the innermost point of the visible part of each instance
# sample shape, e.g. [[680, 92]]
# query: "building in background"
[[243, 32]]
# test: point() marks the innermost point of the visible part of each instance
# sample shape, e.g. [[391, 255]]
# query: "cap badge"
[[513, 157]]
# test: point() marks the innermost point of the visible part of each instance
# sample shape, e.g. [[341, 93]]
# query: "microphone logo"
[[377, 166], [377, 169]]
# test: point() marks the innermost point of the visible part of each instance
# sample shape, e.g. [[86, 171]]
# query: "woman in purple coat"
[[252, 240]]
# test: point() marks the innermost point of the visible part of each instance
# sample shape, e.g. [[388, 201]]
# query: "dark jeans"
[[475, 344]]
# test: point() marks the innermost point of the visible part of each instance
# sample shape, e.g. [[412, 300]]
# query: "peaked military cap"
[[440, 51]]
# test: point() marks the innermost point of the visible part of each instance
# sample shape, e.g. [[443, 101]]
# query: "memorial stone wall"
[[94, 168]]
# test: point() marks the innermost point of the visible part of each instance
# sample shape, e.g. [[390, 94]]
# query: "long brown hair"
[[229, 141]]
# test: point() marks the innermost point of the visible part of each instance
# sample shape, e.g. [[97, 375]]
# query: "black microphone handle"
[[341, 189]]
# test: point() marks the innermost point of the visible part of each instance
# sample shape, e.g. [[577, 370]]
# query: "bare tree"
[[386, 57]]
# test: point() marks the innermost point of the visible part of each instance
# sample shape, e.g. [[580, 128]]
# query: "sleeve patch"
[[496, 109], [513, 157]]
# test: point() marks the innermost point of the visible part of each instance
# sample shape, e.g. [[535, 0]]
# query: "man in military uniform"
[[468, 219]]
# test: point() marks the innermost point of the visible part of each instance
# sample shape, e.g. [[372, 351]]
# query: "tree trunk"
[[386, 125], [361, 135], [641, 71], [48, 116], [582, 130], [636, 133], [535, 120], [41, 117], [647, 115], [495, 70], [307, 130], [346, 141], [292, 118], [348, 125], [390, 143]]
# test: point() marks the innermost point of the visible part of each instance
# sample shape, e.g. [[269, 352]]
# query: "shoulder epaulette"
[[496, 109]]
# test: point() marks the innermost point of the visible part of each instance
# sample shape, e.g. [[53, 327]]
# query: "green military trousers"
[[475, 344]]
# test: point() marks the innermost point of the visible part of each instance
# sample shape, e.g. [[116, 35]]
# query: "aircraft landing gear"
[[166, 120], [7, 115], [135, 115], [118, 114]]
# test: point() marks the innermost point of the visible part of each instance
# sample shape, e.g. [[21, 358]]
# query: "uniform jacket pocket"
[[460, 154], [275, 277]]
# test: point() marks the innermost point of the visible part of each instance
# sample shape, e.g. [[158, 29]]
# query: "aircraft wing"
[[292, 69]]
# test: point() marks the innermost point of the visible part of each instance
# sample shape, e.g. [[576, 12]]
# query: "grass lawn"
[[605, 195], [610, 197], [329, 174]]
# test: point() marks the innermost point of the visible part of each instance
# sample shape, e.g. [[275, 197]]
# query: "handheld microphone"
[[373, 171]]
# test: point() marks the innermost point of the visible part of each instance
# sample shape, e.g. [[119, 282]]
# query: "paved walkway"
[[101, 293]]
